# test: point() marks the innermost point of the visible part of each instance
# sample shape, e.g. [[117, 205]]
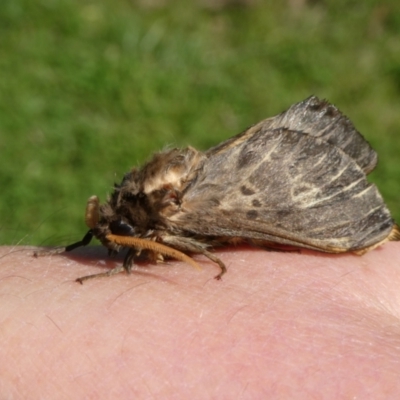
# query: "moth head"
[[114, 216], [100, 225]]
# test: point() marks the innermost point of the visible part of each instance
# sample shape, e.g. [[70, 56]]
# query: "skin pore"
[[278, 325]]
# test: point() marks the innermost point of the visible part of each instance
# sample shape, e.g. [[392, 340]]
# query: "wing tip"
[[394, 235]]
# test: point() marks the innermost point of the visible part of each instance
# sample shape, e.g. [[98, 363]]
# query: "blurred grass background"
[[89, 89]]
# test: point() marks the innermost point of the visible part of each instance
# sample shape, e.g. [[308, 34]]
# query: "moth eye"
[[121, 228]]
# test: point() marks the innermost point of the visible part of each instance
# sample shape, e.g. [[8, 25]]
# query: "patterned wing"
[[319, 119], [285, 186]]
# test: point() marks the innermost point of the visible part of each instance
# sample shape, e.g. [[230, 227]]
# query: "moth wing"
[[286, 187], [316, 118]]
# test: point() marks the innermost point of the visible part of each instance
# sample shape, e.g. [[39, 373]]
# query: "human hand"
[[278, 325]]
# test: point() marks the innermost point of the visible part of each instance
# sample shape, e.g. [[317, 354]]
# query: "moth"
[[298, 179]]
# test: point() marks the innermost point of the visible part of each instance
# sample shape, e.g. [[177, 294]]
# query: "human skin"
[[301, 325]]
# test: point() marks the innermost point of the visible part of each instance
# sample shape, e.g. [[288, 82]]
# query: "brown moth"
[[298, 179]]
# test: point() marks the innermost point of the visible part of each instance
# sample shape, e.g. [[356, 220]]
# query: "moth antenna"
[[92, 213], [130, 241]]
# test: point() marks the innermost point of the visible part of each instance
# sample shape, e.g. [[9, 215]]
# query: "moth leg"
[[189, 245], [128, 261], [84, 242], [217, 260], [111, 272], [126, 266]]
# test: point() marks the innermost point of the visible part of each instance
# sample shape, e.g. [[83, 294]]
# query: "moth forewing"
[[297, 179], [284, 185]]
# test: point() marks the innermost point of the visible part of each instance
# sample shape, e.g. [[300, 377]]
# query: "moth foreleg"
[[126, 266], [84, 242], [190, 245], [111, 272]]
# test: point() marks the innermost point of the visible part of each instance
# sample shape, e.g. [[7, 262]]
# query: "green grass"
[[90, 88]]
